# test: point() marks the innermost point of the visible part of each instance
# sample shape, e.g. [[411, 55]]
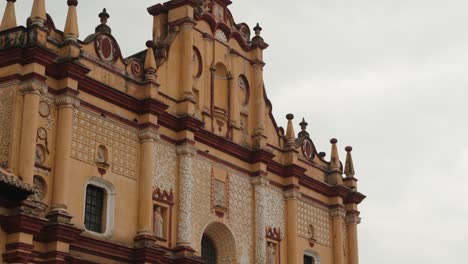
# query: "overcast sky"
[[388, 77]]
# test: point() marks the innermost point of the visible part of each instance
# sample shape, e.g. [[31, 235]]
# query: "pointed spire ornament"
[[349, 166], [290, 135], [9, 18], [335, 164], [38, 13], [71, 32], [303, 132], [258, 29], [150, 66], [103, 27]]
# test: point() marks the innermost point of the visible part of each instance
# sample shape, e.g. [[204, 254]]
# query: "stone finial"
[[71, 32], [258, 29], [303, 132], [103, 27], [334, 159], [349, 166], [290, 135], [150, 66], [9, 17], [38, 13]]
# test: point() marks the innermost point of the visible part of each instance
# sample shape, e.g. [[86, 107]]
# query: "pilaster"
[[292, 196], [338, 216], [32, 89], [148, 136], [260, 184], [66, 102], [185, 153], [352, 220]]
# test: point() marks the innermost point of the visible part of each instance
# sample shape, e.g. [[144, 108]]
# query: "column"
[[148, 137], [292, 197], [259, 98], [32, 90], [234, 109], [186, 78], [352, 220], [338, 216], [185, 153], [260, 188], [66, 103]]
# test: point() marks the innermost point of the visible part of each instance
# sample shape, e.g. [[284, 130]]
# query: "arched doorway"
[[208, 251], [218, 245]]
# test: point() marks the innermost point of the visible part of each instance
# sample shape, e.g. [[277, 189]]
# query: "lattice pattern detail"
[[91, 130], [201, 200], [240, 209], [275, 213], [6, 120], [165, 173], [317, 216]]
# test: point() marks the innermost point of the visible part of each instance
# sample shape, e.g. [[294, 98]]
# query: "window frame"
[[108, 206], [314, 255]]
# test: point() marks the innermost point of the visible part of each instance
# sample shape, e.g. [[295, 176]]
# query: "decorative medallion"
[[245, 91], [308, 149], [44, 109], [42, 133], [106, 48], [196, 63], [40, 154]]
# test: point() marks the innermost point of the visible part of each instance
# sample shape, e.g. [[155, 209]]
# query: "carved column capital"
[[260, 181], [33, 86], [338, 212], [186, 150], [148, 134], [67, 100], [353, 218], [292, 194]]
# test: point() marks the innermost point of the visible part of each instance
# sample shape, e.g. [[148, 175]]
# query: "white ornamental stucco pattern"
[[185, 196], [165, 173], [275, 204], [201, 200], [91, 130], [6, 120], [319, 217], [240, 214], [261, 193]]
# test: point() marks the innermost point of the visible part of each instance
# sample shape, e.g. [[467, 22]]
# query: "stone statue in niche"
[[158, 222], [101, 155], [40, 188], [271, 253], [219, 194]]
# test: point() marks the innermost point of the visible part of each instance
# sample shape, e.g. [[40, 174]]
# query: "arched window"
[[208, 251], [311, 257], [99, 207]]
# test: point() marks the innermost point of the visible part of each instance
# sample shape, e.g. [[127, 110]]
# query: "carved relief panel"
[[6, 120]]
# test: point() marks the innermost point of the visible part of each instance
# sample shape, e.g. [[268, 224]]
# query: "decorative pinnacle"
[[290, 136], [303, 124], [334, 159], [349, 166], [149, 44], [72, 2], [257, 29], [9, 17], [104, 16]]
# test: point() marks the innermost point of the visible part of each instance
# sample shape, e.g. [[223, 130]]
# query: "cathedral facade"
[[171, 155]]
